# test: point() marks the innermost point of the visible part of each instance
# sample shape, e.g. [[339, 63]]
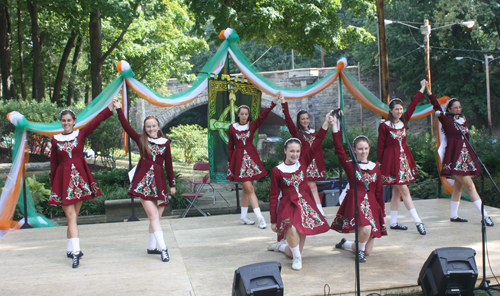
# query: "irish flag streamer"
[[10, 194]]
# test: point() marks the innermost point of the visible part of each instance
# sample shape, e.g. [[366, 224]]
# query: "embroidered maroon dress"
[[371, 206], [244, 162], [70, 176], [291, 201], [149, 179], [316, 170], [458, 157], [393, 154]]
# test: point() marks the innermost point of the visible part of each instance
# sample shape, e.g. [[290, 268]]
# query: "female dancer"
[[243, 164], [371, 206], [303, 131], [397, 164], [295, 210], [148, 182], [71, 181], [459, 161]]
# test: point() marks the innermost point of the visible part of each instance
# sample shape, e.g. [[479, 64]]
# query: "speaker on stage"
[[260, 279], [449, 271]]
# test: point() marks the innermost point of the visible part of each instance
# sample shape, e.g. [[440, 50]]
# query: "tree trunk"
[[62, 66], [8, 89], [95, 52], [38, 88], [21, 55], [74, 64]]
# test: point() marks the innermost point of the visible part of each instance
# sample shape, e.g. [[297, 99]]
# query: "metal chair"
[[204, 166], [192, 197]]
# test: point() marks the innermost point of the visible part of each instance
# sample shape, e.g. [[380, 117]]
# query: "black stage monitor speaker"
[[260, 279], [449, 271]]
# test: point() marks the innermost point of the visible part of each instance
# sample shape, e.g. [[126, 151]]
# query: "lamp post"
[[486, 62], [426, 30]]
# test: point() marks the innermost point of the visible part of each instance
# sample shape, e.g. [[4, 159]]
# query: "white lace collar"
[[158, 141], [68, 137], [398, 125], [460, 121], [309, 131], [237, 126], [367, 166], [292, 168]]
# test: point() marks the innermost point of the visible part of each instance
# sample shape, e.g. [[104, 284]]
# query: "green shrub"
[[263, 189], [490, 196], [189, 142], [177, 201]]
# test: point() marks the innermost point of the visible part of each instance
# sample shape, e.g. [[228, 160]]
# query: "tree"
[[298, 25], [191, 140], [8, 87]]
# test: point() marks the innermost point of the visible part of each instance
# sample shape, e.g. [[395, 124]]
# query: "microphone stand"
[[355, 165], [484, 283]]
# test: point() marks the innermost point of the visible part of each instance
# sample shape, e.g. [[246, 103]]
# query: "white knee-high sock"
[[244, 212], [152, 242], [348, 245], [394, 218], [258, 213], [362, 246], [320, 208], [454, 209], [159, 240], [69, 245], [413, 213], [76, 244], [283, 247], [295, 252], [478, 204]]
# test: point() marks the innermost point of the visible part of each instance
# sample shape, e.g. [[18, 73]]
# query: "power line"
[[262, 55], [468, 50]]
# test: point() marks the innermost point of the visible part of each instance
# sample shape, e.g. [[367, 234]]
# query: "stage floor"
[[205, 252]]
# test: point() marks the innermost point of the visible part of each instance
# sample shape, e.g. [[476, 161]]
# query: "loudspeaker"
[[449, 271], [260, 279]]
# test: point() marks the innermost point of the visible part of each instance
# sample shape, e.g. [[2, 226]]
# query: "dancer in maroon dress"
[[71, 181], [303, 131], [371, 207], [244, 163], [397, 164], [459, 162], [291, 203], [148, 182]]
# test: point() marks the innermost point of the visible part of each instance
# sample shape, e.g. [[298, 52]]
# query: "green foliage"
[[107, 140], [263, 189], [424, 187], [113, 176], [189, 142], [291, 24], [177, 201], [490, 196]]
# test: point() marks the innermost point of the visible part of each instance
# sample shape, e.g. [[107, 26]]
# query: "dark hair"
[[299, 126], [66, 112], [390, 117], [249, 114], [143, 141], [360, 139], [287, 142], [450, 103]]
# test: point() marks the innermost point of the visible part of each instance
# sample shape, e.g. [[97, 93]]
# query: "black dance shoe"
[[458, 219], [164, 255], [76, 259], [154, 252], [421, 228], [399, 227], [488, 221], [361, 256], [340, 245], [70, 254]]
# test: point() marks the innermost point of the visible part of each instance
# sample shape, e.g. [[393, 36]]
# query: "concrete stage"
[[205, 252]]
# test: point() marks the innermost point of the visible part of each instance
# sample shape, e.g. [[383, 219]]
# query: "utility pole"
[[383, 59], [426, 31], [486, 63]]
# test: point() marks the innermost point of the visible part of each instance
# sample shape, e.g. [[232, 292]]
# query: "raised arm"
[[257, 123], [381, 141], [308, 158], [289, 122], [273, 197], [126, 126], [94, 123], [414, 102]]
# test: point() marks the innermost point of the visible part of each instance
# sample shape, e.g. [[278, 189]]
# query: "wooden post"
[[486, 62], [383, 59], [428, 66]]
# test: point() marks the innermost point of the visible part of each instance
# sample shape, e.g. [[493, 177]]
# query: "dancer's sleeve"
[[309, 156], [256, 124], [411, 108], [94, 123], [339, 150], [381, 142], [275, 192], [126, 126], [379, 192], [169, 168], [437, 107], [54, 162], [289, 122], [230, 145]]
